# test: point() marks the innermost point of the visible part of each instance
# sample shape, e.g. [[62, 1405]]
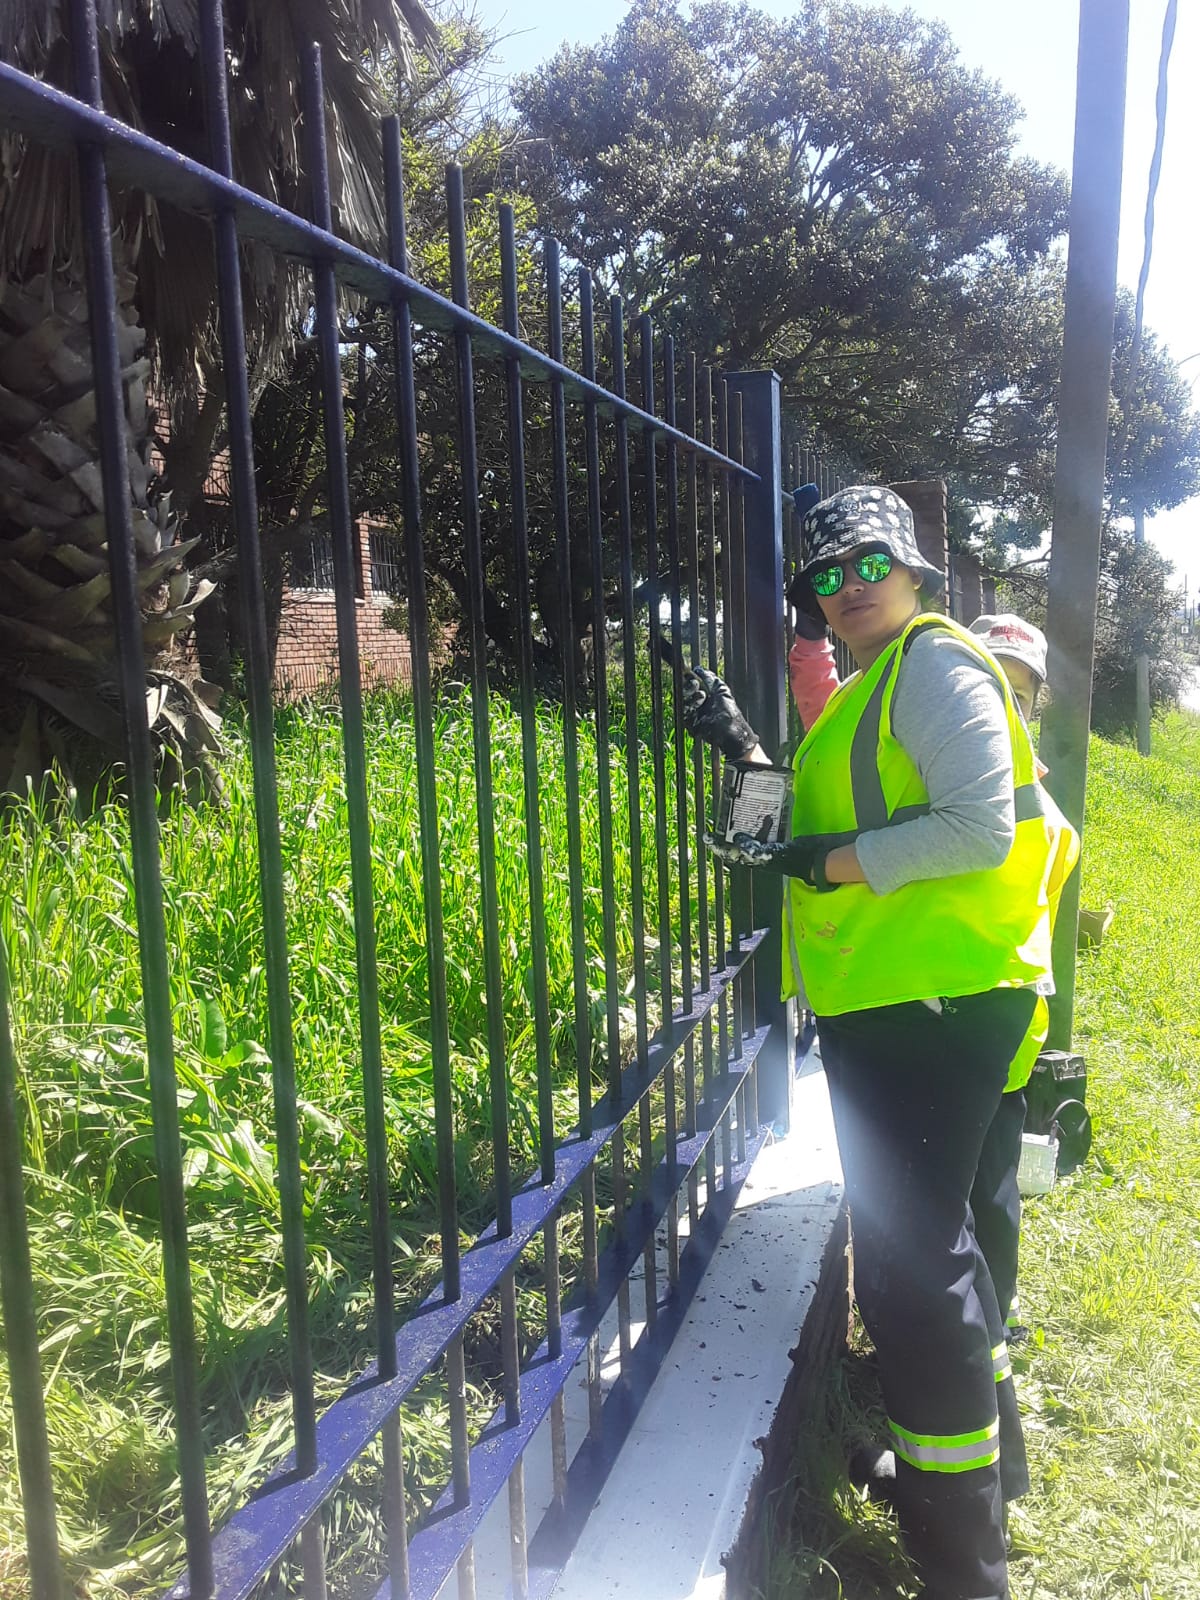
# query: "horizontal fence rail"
[[661, 1060], [134, 161]]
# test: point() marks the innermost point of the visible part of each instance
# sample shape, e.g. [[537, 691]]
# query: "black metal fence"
[[688, 511]]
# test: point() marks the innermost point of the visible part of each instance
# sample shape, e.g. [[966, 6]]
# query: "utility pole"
[[1083, 403]]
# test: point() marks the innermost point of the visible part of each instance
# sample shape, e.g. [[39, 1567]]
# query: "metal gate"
[[708, 1069]]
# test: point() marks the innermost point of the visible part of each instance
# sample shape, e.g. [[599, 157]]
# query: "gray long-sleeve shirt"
[[948, 714]]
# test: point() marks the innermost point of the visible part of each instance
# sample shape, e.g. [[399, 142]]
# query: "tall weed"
[[68, 921]]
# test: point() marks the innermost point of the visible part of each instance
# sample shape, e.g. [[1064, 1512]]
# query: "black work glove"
[[810, 624], [810, 627], [802, 858], [805, 498], [711, 713]]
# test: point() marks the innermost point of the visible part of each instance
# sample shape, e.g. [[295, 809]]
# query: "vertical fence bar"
[[633, 779], [675, 568], [744, 989], [460, 1454], [729, 1011], [422, 695], [591, 1276], [529, 735], [587, 321], [258, 675], [637, 908], [743, 1000], [620, 1185], [422, 692], [604, 809], [583, 1034], [713, 490], [653, 603], [497, 1044], [682, 825], [661, 853], [20, 1329], [693, 559], [346, 560], [143, 813], [511, 1361], [692, 556], [764, 647], [481, 729], [558, 1411], [566, 599]]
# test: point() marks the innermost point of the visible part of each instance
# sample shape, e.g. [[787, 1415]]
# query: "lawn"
[[1110, 1269]]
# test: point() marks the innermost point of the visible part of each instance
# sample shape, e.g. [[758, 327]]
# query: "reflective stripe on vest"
[[1001, 1365], [1064, 853], [851, 949], [947, 1452], [1021, 1069], [870, 805]]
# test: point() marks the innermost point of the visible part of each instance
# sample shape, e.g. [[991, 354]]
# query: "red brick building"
[[306, 656]]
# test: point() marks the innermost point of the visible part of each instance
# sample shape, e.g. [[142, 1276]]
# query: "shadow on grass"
[[826, 1539]]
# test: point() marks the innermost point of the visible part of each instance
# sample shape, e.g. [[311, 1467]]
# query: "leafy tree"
[[837, 196], [56, 631], [1136, 614], [441, 122], [831, 194]]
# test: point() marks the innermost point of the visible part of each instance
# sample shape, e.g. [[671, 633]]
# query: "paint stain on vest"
[[829, 931]]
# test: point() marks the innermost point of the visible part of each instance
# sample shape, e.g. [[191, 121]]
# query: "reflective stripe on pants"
[[947, 1452], [913, 1094]]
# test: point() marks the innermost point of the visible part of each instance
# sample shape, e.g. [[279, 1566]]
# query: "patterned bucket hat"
[[865, 513]]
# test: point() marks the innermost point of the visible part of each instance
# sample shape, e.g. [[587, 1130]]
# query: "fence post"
[[763, 697]]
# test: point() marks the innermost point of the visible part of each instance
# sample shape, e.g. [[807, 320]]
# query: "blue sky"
[[1029, 45]]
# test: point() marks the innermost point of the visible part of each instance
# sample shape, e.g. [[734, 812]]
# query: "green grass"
[[67, 920], [1110, 1264]]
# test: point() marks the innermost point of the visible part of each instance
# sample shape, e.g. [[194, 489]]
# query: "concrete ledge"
[[823, 1336], [714, 1436]]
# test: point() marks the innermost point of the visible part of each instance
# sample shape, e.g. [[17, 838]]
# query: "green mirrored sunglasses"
[[872, 566]]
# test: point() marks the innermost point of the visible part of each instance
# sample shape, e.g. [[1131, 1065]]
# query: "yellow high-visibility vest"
[[850, 949], [1064, 853]]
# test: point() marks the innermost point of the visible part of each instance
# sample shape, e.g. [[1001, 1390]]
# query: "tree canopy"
[[838, 196]]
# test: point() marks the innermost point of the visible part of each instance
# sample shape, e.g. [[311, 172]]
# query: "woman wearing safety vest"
[[1020, 649], [917, 930]]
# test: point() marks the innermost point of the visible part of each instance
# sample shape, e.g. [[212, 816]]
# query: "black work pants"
[[913, 1093], [996, 1200]]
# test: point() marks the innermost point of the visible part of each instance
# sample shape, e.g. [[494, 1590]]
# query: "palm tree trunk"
[[59, 702]]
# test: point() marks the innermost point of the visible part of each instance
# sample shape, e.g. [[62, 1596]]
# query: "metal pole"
[[1088, 314], [765, 704]]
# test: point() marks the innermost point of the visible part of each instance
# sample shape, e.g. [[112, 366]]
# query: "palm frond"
[[151, 80]]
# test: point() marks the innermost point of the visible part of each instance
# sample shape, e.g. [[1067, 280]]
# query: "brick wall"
[[307, 655], [928, 502], [967, 587], [969, 590]]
